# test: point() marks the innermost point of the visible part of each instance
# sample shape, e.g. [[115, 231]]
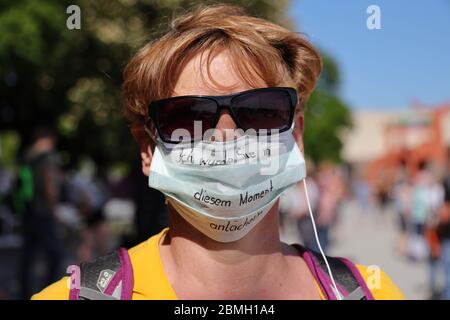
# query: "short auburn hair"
[[277, 55]]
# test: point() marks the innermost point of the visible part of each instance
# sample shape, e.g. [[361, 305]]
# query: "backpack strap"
[[105, 278], [111, 277], [349, 281]]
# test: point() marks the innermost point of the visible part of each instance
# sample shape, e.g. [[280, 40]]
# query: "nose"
[[225, 128]]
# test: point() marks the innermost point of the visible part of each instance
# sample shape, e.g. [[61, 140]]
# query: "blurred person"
[[40, 225], [421, 195], [401, 193], [433, 241], [362, 192], [331, 190], [223, 237], [382, 191], [6, 188], [379, 189], [298, 210], [151, 212], [436, 200], [6, 182], [89, 191], [443, 229], [421, 209]]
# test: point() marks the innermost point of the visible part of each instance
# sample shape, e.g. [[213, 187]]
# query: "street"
[[370, 238]]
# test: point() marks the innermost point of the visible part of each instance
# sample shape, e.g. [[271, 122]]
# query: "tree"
[[326, 115], [70, 79]]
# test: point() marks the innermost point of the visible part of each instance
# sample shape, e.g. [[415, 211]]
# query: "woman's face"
[[222, 80]]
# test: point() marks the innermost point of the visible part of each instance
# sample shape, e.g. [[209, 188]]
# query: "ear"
[[145, 147], [299, 129], [146, 156]]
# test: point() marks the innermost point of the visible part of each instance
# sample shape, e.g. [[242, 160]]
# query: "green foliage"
[[70, 79], [325, 117], [9, 141]]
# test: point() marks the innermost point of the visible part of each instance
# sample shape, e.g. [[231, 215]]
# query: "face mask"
[[224, 189]]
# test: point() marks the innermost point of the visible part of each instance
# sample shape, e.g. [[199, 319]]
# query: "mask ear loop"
[[150, 134], [335, 289]]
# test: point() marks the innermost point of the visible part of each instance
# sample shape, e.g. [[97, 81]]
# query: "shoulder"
[[146, 250], [144, 258], [379, 283], [56, 291], [150, 280]]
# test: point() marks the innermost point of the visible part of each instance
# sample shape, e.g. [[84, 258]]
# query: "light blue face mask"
[[225, 188]]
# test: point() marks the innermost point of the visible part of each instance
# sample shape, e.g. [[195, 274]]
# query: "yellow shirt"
[[151, 283]]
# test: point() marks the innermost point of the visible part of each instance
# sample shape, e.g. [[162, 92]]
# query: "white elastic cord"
[[150, 134], [337, 293]]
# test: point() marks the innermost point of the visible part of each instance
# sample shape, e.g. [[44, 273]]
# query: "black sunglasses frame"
[[224, 103]]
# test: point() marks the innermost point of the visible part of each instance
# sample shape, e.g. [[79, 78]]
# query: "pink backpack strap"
[[349, 281], [105, 278]]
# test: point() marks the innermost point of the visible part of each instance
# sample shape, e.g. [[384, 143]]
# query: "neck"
[[239, 267]]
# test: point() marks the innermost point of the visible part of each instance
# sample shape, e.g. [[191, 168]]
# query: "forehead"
[[218, 77]]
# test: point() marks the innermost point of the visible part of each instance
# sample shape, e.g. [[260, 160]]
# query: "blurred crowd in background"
[[51, 217], [419, 203]]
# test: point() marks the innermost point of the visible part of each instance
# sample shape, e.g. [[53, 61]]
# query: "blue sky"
[[407, 60]]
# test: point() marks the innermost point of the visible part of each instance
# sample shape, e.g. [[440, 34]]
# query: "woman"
[[218, 71]]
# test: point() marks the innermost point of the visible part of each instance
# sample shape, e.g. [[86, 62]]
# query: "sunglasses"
[[261, 110]]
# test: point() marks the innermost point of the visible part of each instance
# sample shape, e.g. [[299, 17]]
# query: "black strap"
[[96, 275]]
